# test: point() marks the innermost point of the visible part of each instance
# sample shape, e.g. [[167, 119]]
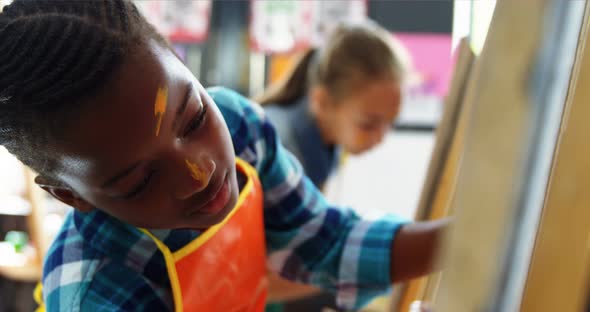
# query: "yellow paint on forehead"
[[160, 107], [197, 173]]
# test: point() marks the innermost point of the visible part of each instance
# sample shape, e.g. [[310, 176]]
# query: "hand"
[[415, 247], [421, 306]]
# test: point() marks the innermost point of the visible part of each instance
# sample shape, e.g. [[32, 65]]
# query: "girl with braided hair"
[[183, 196]]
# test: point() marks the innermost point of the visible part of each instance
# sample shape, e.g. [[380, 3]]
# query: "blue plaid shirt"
[[98, 263]]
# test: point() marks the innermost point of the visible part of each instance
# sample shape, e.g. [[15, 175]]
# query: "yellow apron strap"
[[170, 267], [343, 159], [38, 296]]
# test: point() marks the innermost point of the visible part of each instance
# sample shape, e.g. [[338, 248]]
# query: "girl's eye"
[[196, 123], [140, 187]]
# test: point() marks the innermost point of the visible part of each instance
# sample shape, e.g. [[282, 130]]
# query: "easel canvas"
[[499, 161], [441, 174], [490, 186]]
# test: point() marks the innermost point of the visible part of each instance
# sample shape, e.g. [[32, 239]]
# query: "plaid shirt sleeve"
[[115, 290], [308, 239], [78, 278]]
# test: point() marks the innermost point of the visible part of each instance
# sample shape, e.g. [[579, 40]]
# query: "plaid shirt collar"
[[125, 243]]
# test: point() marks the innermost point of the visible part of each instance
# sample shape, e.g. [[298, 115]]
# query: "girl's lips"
[[216, 202]]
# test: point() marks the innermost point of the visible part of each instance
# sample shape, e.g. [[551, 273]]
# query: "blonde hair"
[[354, 52]]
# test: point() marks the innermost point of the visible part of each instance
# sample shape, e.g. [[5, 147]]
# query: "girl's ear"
[[64, 194], [320, 100]]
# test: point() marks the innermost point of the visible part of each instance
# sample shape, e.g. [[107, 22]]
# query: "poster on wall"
[[183, 21], [291, 25], [327, 14], [429, 78]]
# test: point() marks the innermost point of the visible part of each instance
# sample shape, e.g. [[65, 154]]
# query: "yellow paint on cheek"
[[196, 172], [160, 107]]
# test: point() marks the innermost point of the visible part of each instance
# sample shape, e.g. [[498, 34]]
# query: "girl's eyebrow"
[[180, 110]]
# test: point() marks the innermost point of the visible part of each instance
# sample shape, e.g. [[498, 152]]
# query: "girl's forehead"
[[378, 98], [149, 67]]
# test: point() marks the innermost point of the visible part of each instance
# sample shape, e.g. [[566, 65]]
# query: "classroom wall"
[[228, 37], [413, 16]]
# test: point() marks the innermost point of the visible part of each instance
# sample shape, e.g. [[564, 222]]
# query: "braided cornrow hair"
[[53, 54]]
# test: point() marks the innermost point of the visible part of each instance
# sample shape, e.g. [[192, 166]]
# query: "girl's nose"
[[196, 176]]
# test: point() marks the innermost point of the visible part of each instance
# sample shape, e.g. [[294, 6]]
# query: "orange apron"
[[224, 269]]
